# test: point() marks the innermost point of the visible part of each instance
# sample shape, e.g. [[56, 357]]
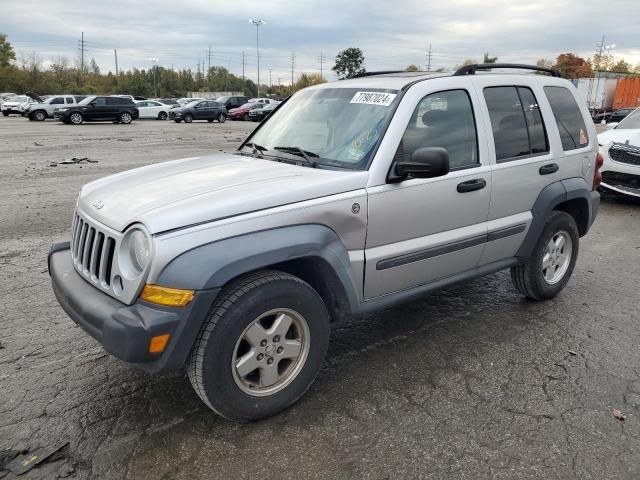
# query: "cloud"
[[391, 34]]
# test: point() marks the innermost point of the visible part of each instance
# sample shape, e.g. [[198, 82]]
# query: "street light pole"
[[258, 23]]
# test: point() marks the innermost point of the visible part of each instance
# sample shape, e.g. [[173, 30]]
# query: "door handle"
[[549, 168], [472, 185]]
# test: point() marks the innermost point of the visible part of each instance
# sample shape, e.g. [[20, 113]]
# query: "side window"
[[573, 132], [113, 101], [444, 119], [100, 101], [57, 101], [518, 130]]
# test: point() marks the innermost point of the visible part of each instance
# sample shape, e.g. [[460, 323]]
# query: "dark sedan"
[[259, 114], [208, 110]]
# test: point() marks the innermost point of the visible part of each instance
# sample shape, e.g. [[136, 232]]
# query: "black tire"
[[209, 120], [245, 117], [188, 118], [76, 118], [126, 118], [528, 278], [177, 120], [38, 115], [162, 116], [246, 299], [222, 118], [6, 114]]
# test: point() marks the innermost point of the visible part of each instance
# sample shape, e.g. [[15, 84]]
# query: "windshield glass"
[[87, 101], [19, 98], [340, 125], [630, 121], [192, 103]]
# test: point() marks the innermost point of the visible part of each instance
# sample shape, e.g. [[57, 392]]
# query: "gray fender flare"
[[213, 265], [549, 198]]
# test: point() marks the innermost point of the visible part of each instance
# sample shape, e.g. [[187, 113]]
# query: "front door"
[[423, 230]]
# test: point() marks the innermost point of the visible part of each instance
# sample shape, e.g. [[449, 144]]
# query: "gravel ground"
[[472, 382]]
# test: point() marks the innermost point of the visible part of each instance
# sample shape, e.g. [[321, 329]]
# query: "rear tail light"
[[597, 175]]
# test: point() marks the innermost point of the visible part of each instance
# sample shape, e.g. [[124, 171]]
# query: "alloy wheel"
[[76, 118], [556, 257]]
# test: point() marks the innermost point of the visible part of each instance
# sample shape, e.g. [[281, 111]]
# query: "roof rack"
[[471, 69], [380, 72]]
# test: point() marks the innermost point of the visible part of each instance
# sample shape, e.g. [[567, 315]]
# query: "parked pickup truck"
[[351, 197]]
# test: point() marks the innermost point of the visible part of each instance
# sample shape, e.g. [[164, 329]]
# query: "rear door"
[[525, 151], [424, 229]]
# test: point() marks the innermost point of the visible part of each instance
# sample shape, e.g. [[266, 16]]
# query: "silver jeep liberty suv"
[[352, 196]]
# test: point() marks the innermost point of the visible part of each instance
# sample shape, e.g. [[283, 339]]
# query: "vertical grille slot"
[[83, 237], [86, 260], [97, 256], [111, 248]]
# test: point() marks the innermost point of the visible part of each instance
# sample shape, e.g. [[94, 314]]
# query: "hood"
[[179, 193], [632, 135], [34, 96]]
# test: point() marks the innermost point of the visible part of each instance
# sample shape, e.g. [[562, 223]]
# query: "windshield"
[[630, 121], [193, 103], [340, 125], [222, 99], [87, 101], [19, 98]]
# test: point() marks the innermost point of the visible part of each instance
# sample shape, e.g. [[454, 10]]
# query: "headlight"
[[61, 109], [135, 253]]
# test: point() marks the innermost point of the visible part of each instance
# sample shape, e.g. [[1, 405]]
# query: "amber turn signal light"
[[170, 297], [159, 343]]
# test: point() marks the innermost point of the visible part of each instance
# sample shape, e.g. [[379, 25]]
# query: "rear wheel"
[[188, 118], [547, 271], [222, 118], [261, 347], [126, 118], [162, 116], [76, 118]]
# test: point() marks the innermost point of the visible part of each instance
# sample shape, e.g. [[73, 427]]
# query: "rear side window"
[[57, 101], [518, 129], [573, 132], [113, 101]]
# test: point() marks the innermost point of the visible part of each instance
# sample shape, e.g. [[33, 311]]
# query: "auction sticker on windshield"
[[374, 98]]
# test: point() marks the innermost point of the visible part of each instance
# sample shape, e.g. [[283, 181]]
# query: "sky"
[[392, 34]]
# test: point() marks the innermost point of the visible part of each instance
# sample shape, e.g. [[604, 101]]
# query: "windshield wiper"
[[306, 154], [255, 148]]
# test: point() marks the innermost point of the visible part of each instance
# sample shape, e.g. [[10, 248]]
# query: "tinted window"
[[444, 119], [57, 101], [516, 122], [113, 101], [70, 100], [100, 101], [573, 131]]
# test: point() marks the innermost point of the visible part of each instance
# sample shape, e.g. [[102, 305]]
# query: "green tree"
[[349, 63], [412, 68], [6, 51], [572, 66], [488, 59], [621, 66]]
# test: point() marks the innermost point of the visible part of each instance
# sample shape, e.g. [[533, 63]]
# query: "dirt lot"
[[472, 382]]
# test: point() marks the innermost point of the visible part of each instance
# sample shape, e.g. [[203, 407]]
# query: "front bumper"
[[126, 330]]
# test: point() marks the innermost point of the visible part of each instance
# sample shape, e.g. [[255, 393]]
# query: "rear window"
[[573, 131], [518, 129], [119, 101]]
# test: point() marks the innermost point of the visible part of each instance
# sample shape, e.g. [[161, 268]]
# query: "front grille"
[[617, 179], [92, 251], [623, 153]]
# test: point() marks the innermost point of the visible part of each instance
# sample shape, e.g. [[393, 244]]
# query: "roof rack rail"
[[471, 69], [380, 72]]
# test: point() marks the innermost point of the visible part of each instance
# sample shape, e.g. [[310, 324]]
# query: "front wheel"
[[40, 116], [76, 118], [6, 114], [261, 347], [126, 118], [547, 271], [222, 118], [188, 118]]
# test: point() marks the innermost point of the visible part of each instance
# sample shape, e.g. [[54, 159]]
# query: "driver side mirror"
[[427, 162], [612, 125]]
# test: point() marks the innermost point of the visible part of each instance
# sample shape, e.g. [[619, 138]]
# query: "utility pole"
[[322, 59], [115, 53], [270, 84], [81, 45], [155, 85], [293, 65], [209, 55], [243, 60], [428, 55], [258, 23]]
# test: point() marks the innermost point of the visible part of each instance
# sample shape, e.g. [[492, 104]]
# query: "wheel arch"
[[572, 196], [311, 252]]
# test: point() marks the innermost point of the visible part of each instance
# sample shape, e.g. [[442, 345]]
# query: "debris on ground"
[[73, 161], [619, 415], [38, 144], [571, 352], [26, 461]]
